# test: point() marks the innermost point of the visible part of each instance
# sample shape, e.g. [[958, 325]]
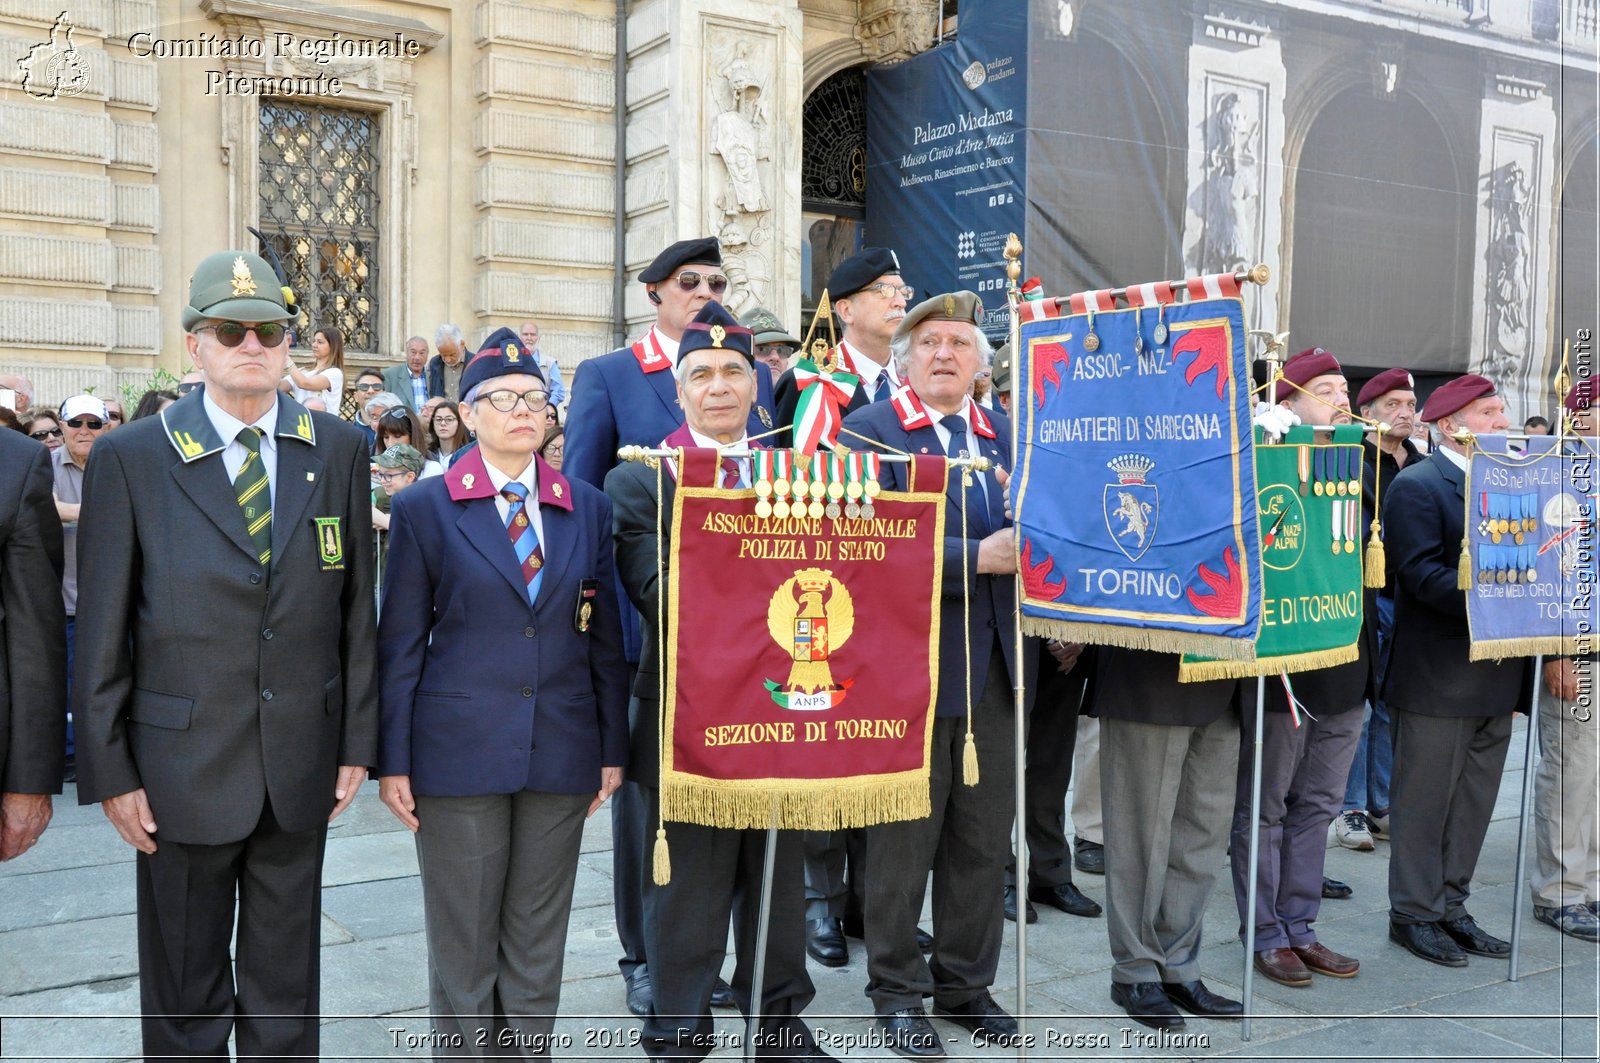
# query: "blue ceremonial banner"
[[1135, 463], [1531, 528]]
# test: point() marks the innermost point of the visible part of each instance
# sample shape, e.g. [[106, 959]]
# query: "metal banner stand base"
[[1522, 825]]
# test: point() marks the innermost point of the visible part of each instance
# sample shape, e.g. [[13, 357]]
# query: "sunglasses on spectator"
[[93, 424], [188, 386], [689, 280], [231, 333], [46, 433], [369, 387]]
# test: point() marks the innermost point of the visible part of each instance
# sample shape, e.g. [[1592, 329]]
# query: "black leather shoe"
[[639, 992], [1470, 937], [1427, 941], [825, 942], [1089, 857], [909, 1033], [1196, 999], [1147, 1005], [924, 941], [1066, 897], [1011, 907], [1334, 890], [722, 995], [988, 1021]]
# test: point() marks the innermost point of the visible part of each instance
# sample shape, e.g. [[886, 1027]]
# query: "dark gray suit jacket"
[[33, 624], [200, 676], [639, 534]]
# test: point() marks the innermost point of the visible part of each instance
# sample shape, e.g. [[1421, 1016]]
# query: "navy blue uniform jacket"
[[993, 598], [481, 692]]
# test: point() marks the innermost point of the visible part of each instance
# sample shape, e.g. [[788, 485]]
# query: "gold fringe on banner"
[[1201, 671], [1375, 569], [1531, 646], [1135, 638], [824, 804]]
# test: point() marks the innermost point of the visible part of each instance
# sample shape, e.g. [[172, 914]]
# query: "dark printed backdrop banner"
[[1531, 523], [1135, 464], [803, 660], [1308, 510]]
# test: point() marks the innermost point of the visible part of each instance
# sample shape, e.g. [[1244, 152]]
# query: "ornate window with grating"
[[320, 210], [833, 179]]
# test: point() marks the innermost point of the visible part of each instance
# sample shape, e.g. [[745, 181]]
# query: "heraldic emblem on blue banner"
[[1531, 535], [1134, 499]]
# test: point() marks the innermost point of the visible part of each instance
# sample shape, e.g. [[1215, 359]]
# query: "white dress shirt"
[[744, 463]]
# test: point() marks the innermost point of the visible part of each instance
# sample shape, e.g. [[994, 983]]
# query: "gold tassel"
[[662, 863], [1464, 565], [1376, 575], [969, 762]]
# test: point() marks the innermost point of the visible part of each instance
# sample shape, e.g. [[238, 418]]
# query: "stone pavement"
[[68, 986]]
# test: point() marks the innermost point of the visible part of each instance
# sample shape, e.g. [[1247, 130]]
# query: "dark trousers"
[[631, 828], [716, 876], [835, 873], [1052, 740], [1303, 773], [187, 986], [966, 841], [1446, 778]]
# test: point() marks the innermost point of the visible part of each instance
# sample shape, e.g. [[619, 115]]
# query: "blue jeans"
[[1368, 788]]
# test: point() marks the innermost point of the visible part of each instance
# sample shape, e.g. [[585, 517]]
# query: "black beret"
[[502, 354], [703, 251], [860, 270]]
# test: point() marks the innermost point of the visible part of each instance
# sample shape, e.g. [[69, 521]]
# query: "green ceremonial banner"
[[1308, 500]]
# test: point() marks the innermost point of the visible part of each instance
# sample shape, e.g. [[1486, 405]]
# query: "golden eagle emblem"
[[811, 616]]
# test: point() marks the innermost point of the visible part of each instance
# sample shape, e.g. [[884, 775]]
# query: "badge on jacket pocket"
[[330, 542], [588, 590]]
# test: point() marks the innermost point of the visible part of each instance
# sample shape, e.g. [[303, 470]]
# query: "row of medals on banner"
[[1330, 472], [793, 485], [1505, 516]]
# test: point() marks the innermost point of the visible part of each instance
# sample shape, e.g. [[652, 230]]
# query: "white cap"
[[79, 405]]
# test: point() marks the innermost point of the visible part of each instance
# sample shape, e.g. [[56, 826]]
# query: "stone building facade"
[[468, 168]]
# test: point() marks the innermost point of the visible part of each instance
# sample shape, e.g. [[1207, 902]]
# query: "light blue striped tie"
[[524, 540]]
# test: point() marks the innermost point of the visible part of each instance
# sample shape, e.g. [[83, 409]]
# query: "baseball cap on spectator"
[[400, 456], [80, 405]]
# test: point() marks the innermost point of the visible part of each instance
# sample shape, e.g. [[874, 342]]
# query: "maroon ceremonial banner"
[[803, 657]]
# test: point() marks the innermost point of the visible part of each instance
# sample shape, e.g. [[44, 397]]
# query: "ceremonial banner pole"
[[1257, 274], [1013, 256], [1522, 825], [1274, 347], [763, 922]]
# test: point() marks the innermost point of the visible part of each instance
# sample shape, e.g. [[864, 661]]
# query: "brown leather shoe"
[[1283, 967], [1323, 960]]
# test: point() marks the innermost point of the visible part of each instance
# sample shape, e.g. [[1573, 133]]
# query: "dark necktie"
[[254, 494], [732, 473], [881, 392], [977, 503], [524, 540]]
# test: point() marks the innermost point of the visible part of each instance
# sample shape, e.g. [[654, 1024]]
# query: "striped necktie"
[[255, 497], [524, 540]]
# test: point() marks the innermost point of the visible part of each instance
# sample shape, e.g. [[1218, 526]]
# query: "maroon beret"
[[1455, 394], [1583, 395], [1303, 368], [1385, 382]]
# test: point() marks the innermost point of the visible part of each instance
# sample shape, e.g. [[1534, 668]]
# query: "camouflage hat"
[[768, 329], [400, 456], [234, 286]]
